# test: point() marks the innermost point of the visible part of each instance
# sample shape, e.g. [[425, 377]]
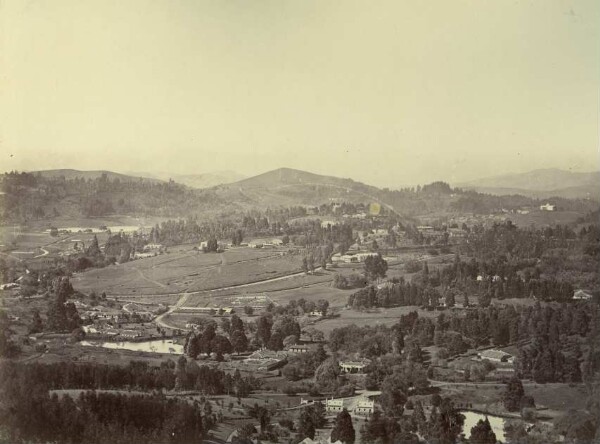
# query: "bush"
[[528, 414], [290, 390], [413, 266]]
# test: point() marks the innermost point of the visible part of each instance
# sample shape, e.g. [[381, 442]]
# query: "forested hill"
[[26, 196], [95, 174]]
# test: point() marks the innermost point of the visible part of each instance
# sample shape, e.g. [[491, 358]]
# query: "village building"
[[298, 349], [582, 295], [273, 243], [329, 223], [334, 405], [316, 314], [9, 286], [548, 207], [365, 407], [494, 355], [354, 366]]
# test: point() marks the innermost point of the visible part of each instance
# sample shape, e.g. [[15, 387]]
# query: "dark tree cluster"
[[35, 416]]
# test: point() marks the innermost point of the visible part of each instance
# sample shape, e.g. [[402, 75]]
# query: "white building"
[[354, 366], [548, 207], [365, 407], [494, 355], [582, 295], [334, 405]]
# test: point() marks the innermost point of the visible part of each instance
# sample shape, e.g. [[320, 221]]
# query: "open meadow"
[[187, 271]]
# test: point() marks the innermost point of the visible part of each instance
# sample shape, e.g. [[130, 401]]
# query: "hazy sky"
[[389, 93]]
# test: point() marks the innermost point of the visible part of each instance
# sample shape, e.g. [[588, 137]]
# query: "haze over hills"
[[540, 183], [200, 180]]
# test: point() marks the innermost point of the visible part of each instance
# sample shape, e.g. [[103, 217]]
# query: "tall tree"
[[343, 430], [482, 433]]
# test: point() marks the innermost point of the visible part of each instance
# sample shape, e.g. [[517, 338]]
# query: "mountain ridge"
[[539, 183]]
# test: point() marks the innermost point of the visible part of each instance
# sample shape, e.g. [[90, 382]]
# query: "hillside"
[[47, 196], [70, 174], [543, 183], [286, 187]]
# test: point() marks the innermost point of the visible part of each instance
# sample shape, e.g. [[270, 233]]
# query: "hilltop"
[[287, 186]]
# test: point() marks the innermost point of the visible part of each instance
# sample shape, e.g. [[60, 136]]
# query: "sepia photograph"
[[299, 222]]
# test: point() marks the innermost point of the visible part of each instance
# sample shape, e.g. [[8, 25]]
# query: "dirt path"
[[160, 318], [146, 278]]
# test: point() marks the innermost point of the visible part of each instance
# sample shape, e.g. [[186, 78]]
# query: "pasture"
[[372, 318], [186, 270]]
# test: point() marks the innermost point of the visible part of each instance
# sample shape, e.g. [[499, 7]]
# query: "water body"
[[113, 229], [155, 346], [496, 422]]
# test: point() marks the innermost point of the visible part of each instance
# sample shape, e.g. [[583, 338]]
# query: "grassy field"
[[186, 270], [544, 218], [388, 316]]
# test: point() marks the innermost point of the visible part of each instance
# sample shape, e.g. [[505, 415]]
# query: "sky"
[[385, 92]]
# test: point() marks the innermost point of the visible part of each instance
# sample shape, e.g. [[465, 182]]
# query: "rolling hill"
[[287, 186], [543, 183]]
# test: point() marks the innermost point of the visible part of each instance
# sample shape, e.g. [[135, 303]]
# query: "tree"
[[343, 430], [248, 310], [418, 418], [326, 375], [263, 329], [393, 395], [375, 267], [513, 395], [481, 433], [37, 326], [236, 324], [306, 428], [94, 249], [311, 418], [60, 315], [445, 423], [262, 414], [239, 341], [8, 348]]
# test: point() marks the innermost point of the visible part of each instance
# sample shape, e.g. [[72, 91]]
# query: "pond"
[[155, 346], [471, 419], [113, 229]]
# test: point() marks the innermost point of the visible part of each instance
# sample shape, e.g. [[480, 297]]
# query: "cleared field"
[[303, 285], [388, 316], [544, 218], [186, 271], [560, 397]]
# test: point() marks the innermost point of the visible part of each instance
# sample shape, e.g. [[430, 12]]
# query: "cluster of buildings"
[[354, 258]]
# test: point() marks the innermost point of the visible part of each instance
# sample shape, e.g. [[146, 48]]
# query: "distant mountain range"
[[200, 180], [543, 183]]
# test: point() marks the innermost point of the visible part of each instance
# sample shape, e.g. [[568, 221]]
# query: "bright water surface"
[[155, 346], [471, 419]]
